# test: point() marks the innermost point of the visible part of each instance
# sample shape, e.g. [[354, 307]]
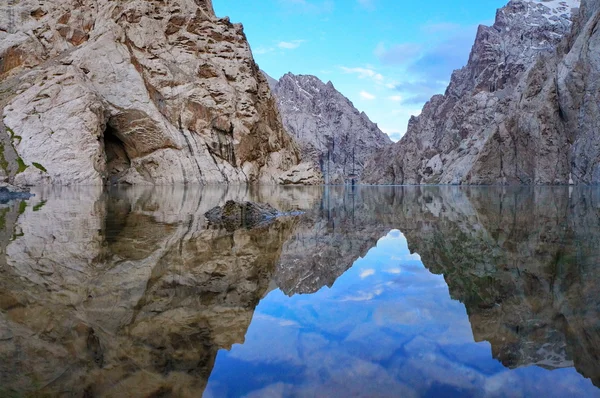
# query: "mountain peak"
[[330, 130]]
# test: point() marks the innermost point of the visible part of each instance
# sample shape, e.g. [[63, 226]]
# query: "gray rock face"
[[331, 132], [520, 112], [137, 92]]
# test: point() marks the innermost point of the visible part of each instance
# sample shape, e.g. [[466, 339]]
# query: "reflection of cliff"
[[127, 293], [524, 263], [327, 241]]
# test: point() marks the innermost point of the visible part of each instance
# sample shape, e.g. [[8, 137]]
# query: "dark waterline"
[[373, 291]]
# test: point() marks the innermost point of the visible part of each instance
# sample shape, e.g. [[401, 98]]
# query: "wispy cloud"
[[364, 73], [395, 98], [367, 95], [428, 69], [290, 45], [366, 273]]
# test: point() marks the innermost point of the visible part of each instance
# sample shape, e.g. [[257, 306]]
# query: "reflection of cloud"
[[407, 257], [394, 271], [285, 323], [366, 273], [364, 296]]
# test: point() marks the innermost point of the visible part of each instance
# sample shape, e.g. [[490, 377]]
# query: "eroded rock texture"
[[138, 92], [331, 132], [521, 112]]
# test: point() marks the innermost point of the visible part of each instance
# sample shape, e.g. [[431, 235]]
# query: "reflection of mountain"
[[128, 293], [524, 263], [327, 241]]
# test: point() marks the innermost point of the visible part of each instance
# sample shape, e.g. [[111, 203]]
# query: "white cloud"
[[395, 98], [394, 271], [367, 96], [290, 45], [364, 73], [366, 273]]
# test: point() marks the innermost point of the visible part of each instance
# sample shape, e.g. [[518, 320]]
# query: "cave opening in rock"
[[117, 160]]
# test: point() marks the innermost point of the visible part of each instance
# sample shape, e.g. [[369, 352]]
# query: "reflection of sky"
[[387, 328]]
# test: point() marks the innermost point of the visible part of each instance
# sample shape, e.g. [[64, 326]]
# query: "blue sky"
[[387, 56]]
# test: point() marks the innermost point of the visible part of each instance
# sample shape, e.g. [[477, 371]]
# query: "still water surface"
[[390, 291]]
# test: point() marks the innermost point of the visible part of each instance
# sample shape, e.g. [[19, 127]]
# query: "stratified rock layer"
[[138, 92], [331, 132], [521, 112]]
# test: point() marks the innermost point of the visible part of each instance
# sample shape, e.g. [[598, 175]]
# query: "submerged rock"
[[235, 215]]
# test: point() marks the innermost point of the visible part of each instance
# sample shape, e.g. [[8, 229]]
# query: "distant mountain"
[[524, 110], [330, 130]]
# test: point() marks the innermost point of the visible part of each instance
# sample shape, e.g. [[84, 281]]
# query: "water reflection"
[[130, 292]]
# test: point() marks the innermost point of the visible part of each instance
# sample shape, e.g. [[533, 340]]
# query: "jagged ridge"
[[331, 132]]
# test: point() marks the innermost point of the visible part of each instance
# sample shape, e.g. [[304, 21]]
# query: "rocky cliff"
[[331, 132], [520, 112], [139, 92]]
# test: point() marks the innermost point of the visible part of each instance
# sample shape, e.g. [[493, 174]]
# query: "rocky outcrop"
[[136, 92], [234, 215], [519, 113], [331, 132]]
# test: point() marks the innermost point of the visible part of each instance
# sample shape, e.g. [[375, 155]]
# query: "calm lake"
[[371, 292]]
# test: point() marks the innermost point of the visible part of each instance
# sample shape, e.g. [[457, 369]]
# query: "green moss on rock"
[[39, 166], [22, 166]]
